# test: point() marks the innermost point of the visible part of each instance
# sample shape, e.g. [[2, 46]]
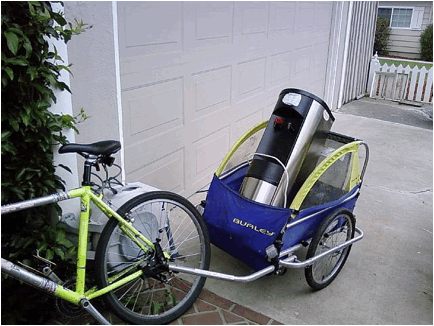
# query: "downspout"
[[347, 43], [334, 55], [118, 86], [430, 15]]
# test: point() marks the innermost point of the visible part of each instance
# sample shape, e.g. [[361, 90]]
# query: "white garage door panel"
[[196, 75], [205, 155], [251, 78], [268, 107], [152, 149], [316, 87], [210, 150], [302, 58], [281, 18], [319, 52], [323, 13], [244, 124], [167, 95], [250, 24], [212, 90], [212, 23], [304, 18], [203, 127], [142, 32], [280, 68], [166, 173]]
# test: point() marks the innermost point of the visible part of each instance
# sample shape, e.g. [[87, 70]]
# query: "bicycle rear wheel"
[[182, 235]]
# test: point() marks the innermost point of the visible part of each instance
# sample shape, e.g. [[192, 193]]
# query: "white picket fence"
[[400, 83]]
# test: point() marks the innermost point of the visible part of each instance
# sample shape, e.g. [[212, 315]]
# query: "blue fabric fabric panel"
[[305, 230], [245, 228], [239, 226]]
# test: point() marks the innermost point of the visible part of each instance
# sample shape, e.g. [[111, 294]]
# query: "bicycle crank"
[[66, 308]]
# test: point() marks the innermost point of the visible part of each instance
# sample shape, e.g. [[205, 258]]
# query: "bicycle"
[[140, 240]]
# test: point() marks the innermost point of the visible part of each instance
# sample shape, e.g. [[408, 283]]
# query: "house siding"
[[405, 42], [361, 43]]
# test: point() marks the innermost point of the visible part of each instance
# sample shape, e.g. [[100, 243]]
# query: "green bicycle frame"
[[86, 196]]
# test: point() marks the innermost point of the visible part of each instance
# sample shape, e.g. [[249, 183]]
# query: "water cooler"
[[292, 141]]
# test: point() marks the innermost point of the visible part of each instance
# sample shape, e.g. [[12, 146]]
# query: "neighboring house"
[[408, 19], [179, 82]]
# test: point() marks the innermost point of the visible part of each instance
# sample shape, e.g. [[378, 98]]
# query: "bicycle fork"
[[50, 287]]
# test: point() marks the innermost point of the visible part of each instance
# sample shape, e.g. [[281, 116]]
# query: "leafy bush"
[[426, 44], [382, 34], [29, 73]]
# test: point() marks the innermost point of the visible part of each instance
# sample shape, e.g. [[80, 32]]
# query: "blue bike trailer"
[[247, 229]]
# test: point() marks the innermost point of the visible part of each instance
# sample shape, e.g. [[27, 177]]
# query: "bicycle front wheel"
[[182, 234]]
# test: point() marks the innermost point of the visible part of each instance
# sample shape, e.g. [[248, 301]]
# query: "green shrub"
[[382, 34], [426, 44], [29, 73], [29, 129]]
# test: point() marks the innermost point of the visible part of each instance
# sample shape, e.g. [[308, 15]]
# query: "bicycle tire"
[[336, 228], [145, 300]]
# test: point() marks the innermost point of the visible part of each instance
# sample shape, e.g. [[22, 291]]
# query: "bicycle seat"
[[106, 147]]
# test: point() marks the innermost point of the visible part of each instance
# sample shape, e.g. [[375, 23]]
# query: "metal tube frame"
[[290, 262]]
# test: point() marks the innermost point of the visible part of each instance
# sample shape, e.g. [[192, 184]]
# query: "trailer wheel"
[[336, 229]]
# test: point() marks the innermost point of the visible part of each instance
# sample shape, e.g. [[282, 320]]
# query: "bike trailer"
[[252, 231]]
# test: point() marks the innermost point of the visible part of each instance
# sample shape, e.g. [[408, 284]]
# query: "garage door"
[[196, 75]]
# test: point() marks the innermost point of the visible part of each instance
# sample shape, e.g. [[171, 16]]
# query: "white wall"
[[63, 105], [93, 84]]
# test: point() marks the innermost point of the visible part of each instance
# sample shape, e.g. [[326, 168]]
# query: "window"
[[402, 17], [385, 13]]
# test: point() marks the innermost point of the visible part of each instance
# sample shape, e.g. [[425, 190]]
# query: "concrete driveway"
[[388, 277]]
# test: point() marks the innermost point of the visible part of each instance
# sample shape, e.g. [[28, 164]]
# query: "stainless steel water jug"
[[289, 148]]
